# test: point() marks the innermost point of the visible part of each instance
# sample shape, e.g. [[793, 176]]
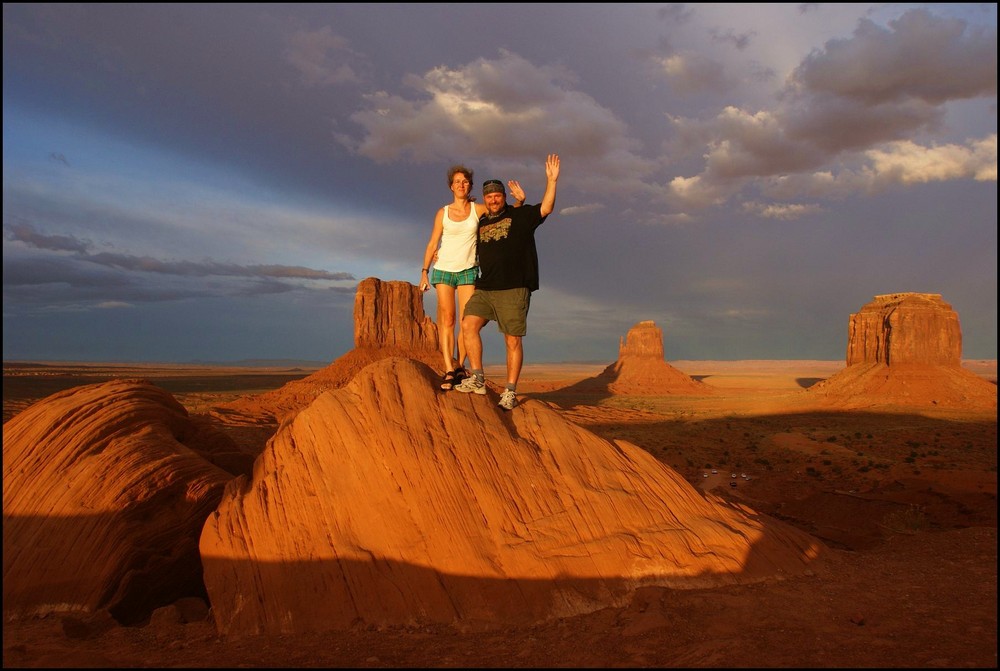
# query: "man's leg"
[[471, 327], [515, 357], [476, 382]]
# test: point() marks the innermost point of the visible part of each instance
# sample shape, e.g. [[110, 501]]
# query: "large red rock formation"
[[386, 502], [389, 321], [641, 370], [105, 491], [907, 328], [905, 349], [391, 314]]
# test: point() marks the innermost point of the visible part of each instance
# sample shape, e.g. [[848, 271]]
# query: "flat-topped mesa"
[[391, 314], [905, 350], [644, 340], [905, 328]]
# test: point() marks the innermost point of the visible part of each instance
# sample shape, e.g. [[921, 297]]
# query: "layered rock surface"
[[105, 491], [905, 349], [905, 328], [641, 369], [386, 502]]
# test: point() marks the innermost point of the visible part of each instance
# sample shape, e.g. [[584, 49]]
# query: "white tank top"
[[458, 242]]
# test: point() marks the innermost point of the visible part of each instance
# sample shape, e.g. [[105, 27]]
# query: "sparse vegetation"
[[906, 520]]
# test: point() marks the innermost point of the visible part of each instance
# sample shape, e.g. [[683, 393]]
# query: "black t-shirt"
[[506, 247]]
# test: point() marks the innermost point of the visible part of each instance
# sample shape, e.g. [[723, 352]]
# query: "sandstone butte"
[[905, 350], [380, 500], [641, 370]]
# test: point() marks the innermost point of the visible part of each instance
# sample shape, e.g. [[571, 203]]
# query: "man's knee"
[[513, 342], [472, 324]]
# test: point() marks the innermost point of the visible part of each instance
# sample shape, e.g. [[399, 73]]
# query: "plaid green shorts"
[[467, 276], [507, 307]]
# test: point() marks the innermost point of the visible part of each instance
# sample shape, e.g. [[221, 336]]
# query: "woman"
[[452, 249]]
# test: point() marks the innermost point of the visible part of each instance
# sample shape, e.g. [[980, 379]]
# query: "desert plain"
[[904, 498]]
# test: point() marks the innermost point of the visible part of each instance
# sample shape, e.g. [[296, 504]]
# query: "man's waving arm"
[[551, 177]]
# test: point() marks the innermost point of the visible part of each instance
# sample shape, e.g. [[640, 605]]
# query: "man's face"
[[495, 201]]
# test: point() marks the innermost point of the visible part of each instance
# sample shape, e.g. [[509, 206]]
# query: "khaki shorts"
[[507, 307]]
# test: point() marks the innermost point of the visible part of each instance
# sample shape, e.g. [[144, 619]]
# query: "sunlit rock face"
[[905, 350], [641, 369], [391, 314], [105, 491], [905, 328], [386, 502]]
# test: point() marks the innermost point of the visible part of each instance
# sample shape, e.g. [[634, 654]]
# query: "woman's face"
[[460, 185]]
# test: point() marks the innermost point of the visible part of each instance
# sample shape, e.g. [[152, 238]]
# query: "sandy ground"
[[906, 500]]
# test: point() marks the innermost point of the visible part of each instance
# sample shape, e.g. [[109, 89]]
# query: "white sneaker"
[[471, 384], [508, 399]]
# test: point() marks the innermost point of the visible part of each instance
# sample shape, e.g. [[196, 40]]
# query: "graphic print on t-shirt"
[[495, 231]]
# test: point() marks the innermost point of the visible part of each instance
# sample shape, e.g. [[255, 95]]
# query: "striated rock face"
[[905, 350], [105, 491], [391, 314], [905, 328], [643, 341], [385, 502]]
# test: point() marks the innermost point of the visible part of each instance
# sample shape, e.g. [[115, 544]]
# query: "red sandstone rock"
[[386, 502], [389, 321], [391, 314], [905, 328], [105, 490], [905, 350], [641, 371]]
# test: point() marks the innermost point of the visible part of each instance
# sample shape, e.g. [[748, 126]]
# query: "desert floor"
[[905, 499]]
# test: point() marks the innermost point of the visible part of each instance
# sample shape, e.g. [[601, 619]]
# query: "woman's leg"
[[465, 292], [446, 323]]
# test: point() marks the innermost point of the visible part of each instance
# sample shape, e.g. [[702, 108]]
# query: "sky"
[[209, 182]]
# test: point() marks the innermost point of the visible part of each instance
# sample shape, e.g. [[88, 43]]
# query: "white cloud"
[[850, 118], [908, 163], [497, 112]]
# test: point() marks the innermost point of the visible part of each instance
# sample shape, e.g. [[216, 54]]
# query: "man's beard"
[[493, 215]]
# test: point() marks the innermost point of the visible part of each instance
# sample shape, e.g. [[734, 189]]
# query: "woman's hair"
[[456, 169]]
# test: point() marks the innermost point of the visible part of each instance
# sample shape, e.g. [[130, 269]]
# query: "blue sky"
[[211, 182]]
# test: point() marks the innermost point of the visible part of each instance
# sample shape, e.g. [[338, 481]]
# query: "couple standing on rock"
[[485, 256]]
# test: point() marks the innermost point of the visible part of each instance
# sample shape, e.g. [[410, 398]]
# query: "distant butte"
[[641, 369], [905, 349], [389, 321]]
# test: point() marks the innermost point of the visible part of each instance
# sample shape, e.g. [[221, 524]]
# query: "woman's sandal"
[[449, 381]]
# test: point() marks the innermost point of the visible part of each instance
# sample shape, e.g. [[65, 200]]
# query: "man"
[[508, 263]]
